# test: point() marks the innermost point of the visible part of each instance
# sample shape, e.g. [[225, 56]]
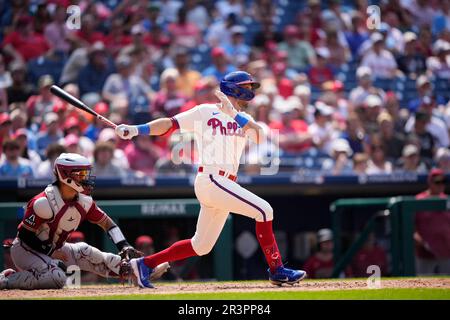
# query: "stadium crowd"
[[340, 94]]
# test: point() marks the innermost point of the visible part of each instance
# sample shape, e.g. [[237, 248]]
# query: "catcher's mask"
[[232, 83], [74, 170]]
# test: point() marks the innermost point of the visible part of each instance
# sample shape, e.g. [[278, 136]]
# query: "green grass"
[[364, 294]]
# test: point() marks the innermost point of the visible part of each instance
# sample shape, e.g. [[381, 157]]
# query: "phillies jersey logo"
[[232, 128]]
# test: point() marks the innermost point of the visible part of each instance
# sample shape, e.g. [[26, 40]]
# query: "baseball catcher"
[[40, 252]]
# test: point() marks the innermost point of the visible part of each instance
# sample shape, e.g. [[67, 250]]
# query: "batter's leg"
[[209, 225], [228, 195]]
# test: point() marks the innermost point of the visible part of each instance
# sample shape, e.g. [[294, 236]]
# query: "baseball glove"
[[129, 252]]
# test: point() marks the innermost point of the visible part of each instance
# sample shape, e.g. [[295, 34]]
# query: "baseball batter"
[[40, 252], [221, 131]]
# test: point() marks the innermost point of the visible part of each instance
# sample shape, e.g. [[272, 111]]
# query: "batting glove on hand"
[[126, 132], [225, 106]]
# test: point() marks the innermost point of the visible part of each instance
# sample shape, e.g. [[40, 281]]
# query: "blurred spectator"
[[5, 128], [119, 157], [304, 93], [321, 130], [142, 154], [197, 14], [8, 263], [422, 12], [306, 31], [225, 7], [203, 93], [56, 32], [392, 139], [300, 53], [145, 244], [51, 63], [88, 34], [52, 134], [93, 130], [412, 62], [12, 165], [432, 232], [442, 159], [321, 71], [439, 65], [379, 60], [360, 163], [321, 264], [72, 143], [436, 125], [220, 64], [24, 44], [267, 34], [284, 85], [354, 133], [184, 33], [370, 254], [43, 103], [19, 121], [340, 162], [93, 76], [393, 37], [72, 127], [370, 112], [130, 87], [338, 54], [103, 162], [168, 100], [187, 77], [237, 48], [77, 60], [45, 168], [424, 89], [21, 136], [410, 160], [424, 138], [377, 163], [218, 33], [5, 82], [117, 38], [293, 132], [21, 89], [357, 34], [365, 88]]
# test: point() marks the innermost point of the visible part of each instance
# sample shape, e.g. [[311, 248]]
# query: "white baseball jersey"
[[220, 140]]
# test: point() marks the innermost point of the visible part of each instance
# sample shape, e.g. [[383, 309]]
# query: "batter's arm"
[[254, 131], [156, 127]]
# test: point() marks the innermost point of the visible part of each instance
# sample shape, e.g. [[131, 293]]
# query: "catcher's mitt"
[[129, 252]]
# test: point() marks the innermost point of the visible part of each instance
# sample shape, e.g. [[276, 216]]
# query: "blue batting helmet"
[[231, 85]]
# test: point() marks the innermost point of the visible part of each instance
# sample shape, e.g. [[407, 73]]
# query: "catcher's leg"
[[36, 271], [91, 259]]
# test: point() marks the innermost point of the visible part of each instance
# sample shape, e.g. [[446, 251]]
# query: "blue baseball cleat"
[[285, 275], [142, 272]]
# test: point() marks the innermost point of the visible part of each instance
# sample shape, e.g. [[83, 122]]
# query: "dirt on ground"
[[185, 287]]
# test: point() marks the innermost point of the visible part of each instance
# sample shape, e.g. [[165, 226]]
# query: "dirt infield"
[[175, 288]]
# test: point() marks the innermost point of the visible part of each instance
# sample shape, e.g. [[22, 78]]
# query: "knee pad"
[[52, 278]]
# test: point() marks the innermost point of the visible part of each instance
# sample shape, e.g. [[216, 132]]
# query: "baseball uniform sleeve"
[[186, 120], [95, 214]]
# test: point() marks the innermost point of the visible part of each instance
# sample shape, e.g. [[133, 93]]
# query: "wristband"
[[241, 120], [117, 237], [143, 129]]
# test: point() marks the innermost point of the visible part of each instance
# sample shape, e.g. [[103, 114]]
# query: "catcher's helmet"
[[74, 170], [231, 85]]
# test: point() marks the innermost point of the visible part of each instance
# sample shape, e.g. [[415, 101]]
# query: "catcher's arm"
[[126, 251]]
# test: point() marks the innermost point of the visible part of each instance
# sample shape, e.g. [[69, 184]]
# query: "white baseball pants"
[[218, 196]]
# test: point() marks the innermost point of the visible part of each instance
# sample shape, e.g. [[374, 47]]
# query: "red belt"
[[221, 173]]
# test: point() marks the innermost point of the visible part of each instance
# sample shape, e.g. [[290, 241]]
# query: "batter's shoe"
[[159, 270], [284, 275], [142, 272]]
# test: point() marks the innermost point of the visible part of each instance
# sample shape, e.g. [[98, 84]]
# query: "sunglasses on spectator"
[[441, 181], [377, 148]]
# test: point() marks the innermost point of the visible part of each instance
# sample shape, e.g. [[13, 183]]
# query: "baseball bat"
[[64, 95]]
